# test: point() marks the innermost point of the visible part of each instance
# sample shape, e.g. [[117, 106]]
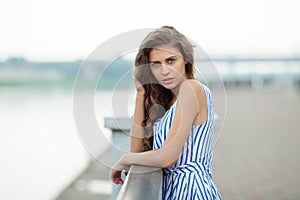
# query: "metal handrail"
[[142, 182]]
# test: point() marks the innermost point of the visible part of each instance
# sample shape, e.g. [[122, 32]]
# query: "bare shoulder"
[[193, 94], [194, 87]]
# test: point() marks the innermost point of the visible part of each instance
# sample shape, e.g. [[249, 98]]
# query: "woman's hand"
[[139, 87], [116, 172]]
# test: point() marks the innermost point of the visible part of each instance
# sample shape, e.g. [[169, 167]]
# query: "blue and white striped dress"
[[191, 176]]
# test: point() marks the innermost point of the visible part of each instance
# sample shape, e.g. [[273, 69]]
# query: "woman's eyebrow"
[[152, 61], [171, 57]]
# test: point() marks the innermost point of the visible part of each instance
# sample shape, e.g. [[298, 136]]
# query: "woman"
[[180, 139]]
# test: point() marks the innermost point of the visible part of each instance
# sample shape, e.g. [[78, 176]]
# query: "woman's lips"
[[167, 80]]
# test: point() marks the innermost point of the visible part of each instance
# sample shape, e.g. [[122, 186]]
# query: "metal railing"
[[142, 182]]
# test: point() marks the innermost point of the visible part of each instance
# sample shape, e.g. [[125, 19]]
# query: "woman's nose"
[[165, 69]]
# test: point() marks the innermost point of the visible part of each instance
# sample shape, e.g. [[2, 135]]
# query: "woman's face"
[[167, 66]]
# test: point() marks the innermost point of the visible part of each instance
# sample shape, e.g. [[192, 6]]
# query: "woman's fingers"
[[116, 176], [116, 171]]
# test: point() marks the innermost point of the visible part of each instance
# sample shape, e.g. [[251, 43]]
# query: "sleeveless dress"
[[191, 176]]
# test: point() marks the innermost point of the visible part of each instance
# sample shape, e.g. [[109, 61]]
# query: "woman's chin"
[[171, 86], [168, 86]]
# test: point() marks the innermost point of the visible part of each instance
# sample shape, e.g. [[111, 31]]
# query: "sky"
[[66, 30]]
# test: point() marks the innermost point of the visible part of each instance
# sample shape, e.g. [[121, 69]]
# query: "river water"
[[41, 151]]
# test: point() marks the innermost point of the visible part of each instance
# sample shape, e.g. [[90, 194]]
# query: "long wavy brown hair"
[[157, 98]]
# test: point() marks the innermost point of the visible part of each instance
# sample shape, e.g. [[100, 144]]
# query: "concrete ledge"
[[118, 123], [142, 182]]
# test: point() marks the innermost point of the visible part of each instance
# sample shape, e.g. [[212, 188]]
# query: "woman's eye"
[[155, 64], [170, 60]]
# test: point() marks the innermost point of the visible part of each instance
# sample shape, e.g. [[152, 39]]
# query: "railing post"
[[120, 128]]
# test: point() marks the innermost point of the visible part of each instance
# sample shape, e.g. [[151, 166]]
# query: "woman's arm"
[[137, 130], [190, 102], [191, 99]]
